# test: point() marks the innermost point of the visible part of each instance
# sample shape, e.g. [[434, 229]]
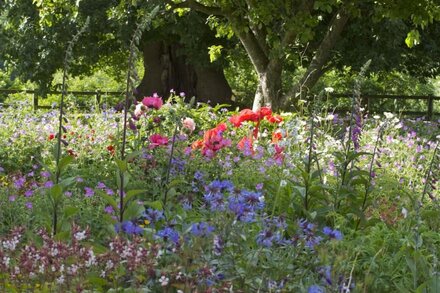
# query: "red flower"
[[111, 149], [71, 153], [213, 140], [197, 144], [158, 140], [51, 136], [264, 112], [274, 119], [276, 136]]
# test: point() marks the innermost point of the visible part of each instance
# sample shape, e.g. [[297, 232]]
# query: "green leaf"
[[412, 38], [96, 281], [109, 199], [64, 162], [68, 181], [215, 52], [122, 165], [56, 192], [133, 155], [132, 193], [157, 205], [62, 236], [70, 211], [432, 285], [301, 190], [125, 177], [133, 210]]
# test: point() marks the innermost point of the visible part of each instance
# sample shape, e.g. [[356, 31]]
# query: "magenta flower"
[[154, 102], [158, 140]]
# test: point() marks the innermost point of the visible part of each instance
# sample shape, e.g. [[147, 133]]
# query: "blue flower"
[[169, 234], [315, 289], [201, 229], [266, 238], [333, 234], [153, 216], [129, 228], [215, 201], [218, 186]]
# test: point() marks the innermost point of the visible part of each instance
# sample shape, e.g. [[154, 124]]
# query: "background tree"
[[280, 35], [281, 38], [35, 34]]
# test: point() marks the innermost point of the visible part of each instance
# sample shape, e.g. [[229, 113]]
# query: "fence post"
[[35, 99], [98, 97], [430, 108]]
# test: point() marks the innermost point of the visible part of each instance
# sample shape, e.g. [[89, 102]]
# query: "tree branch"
[[256, 53], [322, 55]]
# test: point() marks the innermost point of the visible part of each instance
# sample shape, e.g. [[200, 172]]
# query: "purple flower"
[[19, 183], [109, 209], [109, 191], [89, 192], [79, 179], [68, 193], [29, 193], [45, 174], [169, 234], [48, 184], [12, 198], [28, 205], [101, 185]]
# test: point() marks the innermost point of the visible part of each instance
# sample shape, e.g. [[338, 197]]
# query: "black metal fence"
[[97, 94], [368, 101]]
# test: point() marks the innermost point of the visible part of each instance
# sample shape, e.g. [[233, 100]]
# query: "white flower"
[[80, 235], [388, 115], [404, 212], [329, 89], [283, 183], [189, 124], [164, 281]]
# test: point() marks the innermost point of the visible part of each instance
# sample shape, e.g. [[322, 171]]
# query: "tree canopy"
[[280, 37]]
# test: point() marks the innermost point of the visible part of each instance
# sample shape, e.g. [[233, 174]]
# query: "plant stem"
[[167, 178]]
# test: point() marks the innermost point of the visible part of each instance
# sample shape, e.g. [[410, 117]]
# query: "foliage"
[[265, 211]]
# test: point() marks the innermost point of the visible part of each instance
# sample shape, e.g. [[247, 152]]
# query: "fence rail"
[[98, 95], [367, 100]]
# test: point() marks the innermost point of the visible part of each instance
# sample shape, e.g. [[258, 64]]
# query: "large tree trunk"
[[270, 84], [166, 70]]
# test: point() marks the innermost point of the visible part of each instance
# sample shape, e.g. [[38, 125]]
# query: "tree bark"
[[166, 70]]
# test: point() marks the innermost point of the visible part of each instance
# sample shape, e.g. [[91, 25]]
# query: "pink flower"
[[158, 140], [188, 123], [154, 102]]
